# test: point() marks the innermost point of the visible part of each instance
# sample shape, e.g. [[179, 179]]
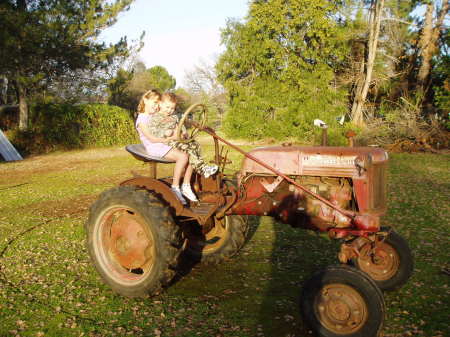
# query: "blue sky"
[[178, 32]]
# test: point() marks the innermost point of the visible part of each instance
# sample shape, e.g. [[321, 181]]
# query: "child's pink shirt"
[[153, 149]]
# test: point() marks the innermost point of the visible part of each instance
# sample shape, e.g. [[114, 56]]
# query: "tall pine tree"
[[278, 68], [43, 39]]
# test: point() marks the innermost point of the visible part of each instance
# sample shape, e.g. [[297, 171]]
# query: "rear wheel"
[[342, 301], [133, 241], [388, 262], [221, 240]]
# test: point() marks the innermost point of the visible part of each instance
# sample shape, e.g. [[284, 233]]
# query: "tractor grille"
[[378, 193]]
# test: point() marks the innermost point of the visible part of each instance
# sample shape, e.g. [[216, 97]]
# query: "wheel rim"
[[124, 245], [381, 264], [212, 240], [340, 308]]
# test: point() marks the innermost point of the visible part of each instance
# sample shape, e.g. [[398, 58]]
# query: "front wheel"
[[388, 262], [341, 301]]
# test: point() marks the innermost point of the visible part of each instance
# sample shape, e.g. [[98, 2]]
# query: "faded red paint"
[[260, 194], [313, 161]]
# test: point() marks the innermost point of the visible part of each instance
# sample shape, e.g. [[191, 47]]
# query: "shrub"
[[66, 126], [405, 129]]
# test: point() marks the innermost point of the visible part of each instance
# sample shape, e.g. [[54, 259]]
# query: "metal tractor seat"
[[138, 151]]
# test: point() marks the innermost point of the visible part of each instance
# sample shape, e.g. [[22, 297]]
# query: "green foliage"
[[44, 38], [41, 42], [441, 84], [127, 87], [65, 126], [278, 70], [160, 79], [117, 89]]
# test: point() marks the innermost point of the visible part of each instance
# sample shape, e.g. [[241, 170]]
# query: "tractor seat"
[[138, 151]]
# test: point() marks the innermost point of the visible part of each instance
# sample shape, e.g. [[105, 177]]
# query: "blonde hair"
[[169, 96], [148, 95]]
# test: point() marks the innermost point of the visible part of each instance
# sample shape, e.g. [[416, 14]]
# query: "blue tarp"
[[7, 150]]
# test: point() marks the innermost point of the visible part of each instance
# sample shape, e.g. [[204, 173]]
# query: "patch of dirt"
[[116, 179], [22, 170], [68, 208]]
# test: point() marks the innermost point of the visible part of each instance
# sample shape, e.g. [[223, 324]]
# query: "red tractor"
[[137, 231]]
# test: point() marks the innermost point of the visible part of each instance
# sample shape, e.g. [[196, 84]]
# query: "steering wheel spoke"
[[196, 125]]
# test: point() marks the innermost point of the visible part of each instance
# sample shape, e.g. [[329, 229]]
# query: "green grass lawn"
[[48, 286]]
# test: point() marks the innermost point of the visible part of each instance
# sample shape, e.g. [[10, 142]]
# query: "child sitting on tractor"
[[158, 128]]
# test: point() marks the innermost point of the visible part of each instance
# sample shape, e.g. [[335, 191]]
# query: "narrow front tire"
[[389, 263], [341, 301]]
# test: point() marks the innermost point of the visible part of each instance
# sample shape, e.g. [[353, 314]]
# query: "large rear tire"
[[223, 240], [341, 301], [133, 241], [390, 264]]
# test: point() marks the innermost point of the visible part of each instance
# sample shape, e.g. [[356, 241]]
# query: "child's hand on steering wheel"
[[173, 137]]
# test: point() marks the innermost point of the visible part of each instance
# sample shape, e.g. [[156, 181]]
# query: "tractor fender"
[[160, 189]]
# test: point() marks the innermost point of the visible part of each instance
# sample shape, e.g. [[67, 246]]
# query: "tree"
[[126, 88], [202, 84], [362, 87], [160, 79], [41, 41], [278, 68], [429, 38]]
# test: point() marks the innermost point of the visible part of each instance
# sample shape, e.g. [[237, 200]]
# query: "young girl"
[[157, 128]]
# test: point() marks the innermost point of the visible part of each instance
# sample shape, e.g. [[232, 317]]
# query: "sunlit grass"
[[49, 287]]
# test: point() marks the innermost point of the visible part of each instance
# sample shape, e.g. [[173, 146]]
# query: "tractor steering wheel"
[[196, 126]]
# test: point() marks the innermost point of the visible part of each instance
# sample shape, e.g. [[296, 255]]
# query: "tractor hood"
[[315, 161]]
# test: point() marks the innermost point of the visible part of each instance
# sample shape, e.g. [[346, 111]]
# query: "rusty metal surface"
[[379, 260], [344, 212], [341, 309], [350, 249], [317, 161], [159, 188], [270, 195], [162, 190], [129, 241], [125, 245], [340, 233]]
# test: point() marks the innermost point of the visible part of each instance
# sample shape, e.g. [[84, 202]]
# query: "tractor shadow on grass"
[[187, 262], [296, 254], [263, 282]]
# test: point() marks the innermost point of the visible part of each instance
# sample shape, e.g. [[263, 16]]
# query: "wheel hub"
[[128, 241], [381, 263], [341, 308]]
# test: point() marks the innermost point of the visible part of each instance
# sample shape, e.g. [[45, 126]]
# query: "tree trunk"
[[429, 43], [363, 85], [426, 45], [23, 106]]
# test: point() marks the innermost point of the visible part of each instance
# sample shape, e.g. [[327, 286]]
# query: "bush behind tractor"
[[137, 231]]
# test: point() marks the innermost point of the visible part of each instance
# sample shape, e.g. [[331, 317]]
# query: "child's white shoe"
[[209, 170], [188, 193], [176, 190]]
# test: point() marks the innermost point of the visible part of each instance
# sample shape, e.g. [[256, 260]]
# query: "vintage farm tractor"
[[137, 231]]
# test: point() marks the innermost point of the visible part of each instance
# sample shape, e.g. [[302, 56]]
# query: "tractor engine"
[[350, 178]]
